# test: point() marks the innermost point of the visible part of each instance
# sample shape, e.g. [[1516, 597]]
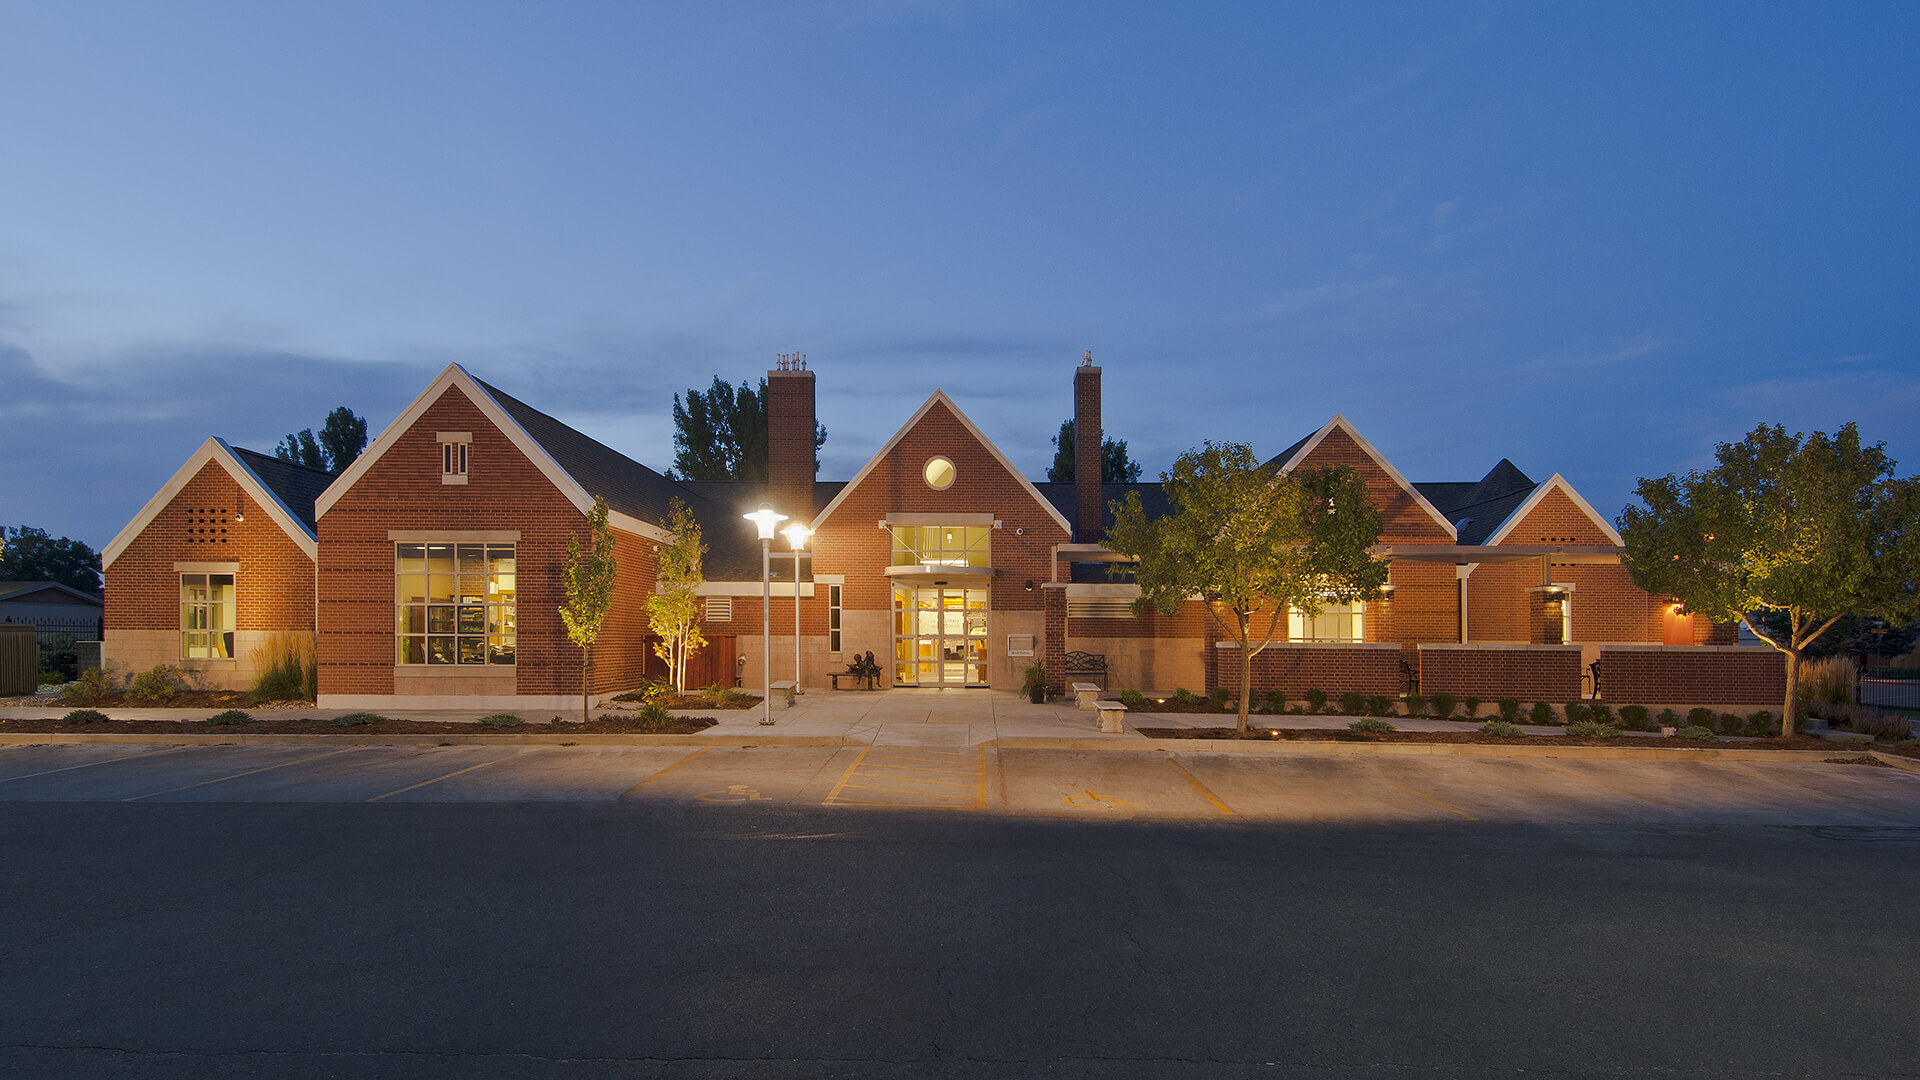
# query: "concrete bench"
[[1083, 695], [783, 693], [1112, 716]]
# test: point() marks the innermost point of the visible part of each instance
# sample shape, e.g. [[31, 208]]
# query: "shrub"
[[157, 686], [1416, 703], [231, 716], [1600, 714], [1184, 696], [502, 720], [1372, 725], [1501, 727], [85, 716], [287, 668], [1668, 718], [729, 696], [1381, 705], [357, 719], [714, 692], [95, 686], [1277, 701], [1705, 718], [1731, 724], [1442, 706], [1353, 703], [1761, 723], [1826, 682], [1219, 695], [653, 714], [1695, 732], [1470, 705], [1510, 710], [1636, 718], [1133, 699], [1592, 728], [52, 678], [1317, 702], [1575, 712], [1881, 725], [1542, 714]]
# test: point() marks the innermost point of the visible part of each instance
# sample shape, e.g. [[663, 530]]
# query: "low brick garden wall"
[[1299, 666], [1494, 671], [1714, 675]]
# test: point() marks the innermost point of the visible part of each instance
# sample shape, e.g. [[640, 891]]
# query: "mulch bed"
[[1261, 733], [613, 723]]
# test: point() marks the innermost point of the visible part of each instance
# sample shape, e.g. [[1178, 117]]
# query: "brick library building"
[[429, 572]]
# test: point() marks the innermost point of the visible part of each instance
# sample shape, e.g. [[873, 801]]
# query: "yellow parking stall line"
[[435, 780], [926, 762], [1610, 787], [882, 773], [238, 775], [847, 776], [1200, 787], [916, 768], [665, 771], [1416, 791]]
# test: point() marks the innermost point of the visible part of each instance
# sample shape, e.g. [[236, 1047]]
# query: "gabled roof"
[[1292, 456], [215, 449], [940, 397], [577, 466], [296, 485], [1066, 499], [25, 590], [1559, 482], [1478, 507]]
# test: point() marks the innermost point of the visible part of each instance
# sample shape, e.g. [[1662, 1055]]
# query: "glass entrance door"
[[939, 637]]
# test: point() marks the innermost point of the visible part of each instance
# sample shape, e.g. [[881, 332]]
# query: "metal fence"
[[58, 640], [1893, 687]]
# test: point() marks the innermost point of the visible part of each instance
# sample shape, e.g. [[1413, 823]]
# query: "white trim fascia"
[[214, 449], [1520, 512], [456, 376], [627, 523], [941, 397], [1341, 422]]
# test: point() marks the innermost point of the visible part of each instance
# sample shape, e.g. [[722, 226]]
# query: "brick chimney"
[[790, 450], [1086, 450]]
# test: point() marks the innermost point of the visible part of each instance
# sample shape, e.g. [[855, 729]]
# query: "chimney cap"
[[1086, 358], [790, 361]]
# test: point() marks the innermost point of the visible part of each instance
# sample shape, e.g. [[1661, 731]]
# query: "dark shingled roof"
[[1066, 499], [1478, 508], [733, 548], [295, 485], [1280, 458], [1445, 494], [628, 486]]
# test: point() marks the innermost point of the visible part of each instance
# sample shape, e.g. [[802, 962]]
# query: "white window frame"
[[1327, 626], [833, 619], [454, 456], [204, 607], [497, 608]]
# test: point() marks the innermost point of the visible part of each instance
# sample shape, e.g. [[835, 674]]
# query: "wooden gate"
[[713, 664]]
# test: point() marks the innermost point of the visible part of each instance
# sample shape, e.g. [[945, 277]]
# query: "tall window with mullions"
[[454, 603]]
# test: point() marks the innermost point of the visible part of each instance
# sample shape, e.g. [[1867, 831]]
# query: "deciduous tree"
[[589, 578], [1812, 527], [1246, 540], [29, 554], [673, 611], [722, 434]]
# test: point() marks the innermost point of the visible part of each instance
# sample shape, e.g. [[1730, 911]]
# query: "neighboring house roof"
[[940, 398], [25, 591], [289, 517]]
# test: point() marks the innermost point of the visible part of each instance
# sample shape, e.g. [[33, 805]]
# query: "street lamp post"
[[796, 535], [765, 519]]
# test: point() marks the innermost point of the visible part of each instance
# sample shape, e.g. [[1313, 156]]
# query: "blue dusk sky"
[[1595, 239]]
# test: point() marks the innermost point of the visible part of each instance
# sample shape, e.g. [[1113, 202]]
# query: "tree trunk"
[[1246, 674], [1787, 725], [586, 669]]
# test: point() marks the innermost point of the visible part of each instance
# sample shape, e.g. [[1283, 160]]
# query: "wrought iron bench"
[[1087, 665]]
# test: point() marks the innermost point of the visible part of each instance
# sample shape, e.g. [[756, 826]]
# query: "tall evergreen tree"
[[1115, 466], [340, 441], [722, 434]]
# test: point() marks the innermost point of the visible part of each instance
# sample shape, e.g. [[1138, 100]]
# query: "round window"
[[939, 474]]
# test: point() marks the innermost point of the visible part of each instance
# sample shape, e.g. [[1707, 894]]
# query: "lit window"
[[454, 447], [206, 616], [940, 545], [833, 619], [455, 603], [1336, 622], [939, 474]]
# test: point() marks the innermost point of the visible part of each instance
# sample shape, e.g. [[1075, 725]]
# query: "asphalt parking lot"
[[1149, 784]]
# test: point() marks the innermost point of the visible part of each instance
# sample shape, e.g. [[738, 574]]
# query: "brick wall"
[[1403, 519], [1491, 672], [1088, 523], [790, 450], [1297, 667], [1719, 675], [273, 588], [505, 491]]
